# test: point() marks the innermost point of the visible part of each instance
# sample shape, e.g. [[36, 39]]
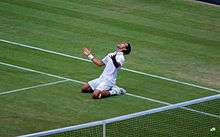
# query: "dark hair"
[[128, 49]]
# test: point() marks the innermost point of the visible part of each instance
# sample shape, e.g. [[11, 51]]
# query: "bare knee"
[[86, 88], [96, 94]]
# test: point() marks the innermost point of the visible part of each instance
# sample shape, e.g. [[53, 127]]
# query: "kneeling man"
[[105, 85]]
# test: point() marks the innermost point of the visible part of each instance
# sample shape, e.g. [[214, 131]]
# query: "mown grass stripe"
[[81, 82], [126, 69], [117, 23]]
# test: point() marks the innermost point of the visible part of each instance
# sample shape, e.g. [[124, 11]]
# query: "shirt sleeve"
[[105, 59], [120, 59]]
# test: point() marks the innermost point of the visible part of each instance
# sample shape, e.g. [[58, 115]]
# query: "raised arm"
[[96, 61]]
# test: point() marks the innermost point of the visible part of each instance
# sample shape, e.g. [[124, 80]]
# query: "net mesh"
[[178, 123], [166, 121], [208, 106], [95, 131]]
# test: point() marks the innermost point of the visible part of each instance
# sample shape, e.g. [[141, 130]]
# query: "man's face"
[[122, 46]]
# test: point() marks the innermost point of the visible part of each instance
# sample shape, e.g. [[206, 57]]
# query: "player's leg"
[[102, 90], [86, 88], [115, 90], [98, 94], [90, 86]]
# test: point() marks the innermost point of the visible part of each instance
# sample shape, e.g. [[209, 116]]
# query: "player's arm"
[[116, 64], [95, 60]]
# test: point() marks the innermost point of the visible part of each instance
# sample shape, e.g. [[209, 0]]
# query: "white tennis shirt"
[[110, 71]]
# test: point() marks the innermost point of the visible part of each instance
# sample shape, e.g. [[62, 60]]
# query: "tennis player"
[[105, 85]]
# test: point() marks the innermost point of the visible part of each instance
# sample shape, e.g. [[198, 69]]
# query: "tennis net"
[[170, 120]]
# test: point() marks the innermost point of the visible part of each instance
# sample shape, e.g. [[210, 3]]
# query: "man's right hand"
[[86, 51]]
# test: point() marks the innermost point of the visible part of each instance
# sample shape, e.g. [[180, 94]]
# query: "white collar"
[[119, 53]]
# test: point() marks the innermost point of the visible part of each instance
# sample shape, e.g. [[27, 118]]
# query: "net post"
[[104, 130]]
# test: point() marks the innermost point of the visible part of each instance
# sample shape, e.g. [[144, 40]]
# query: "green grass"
[[168, 123], [177, 39]]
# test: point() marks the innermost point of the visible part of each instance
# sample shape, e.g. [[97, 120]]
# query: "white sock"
[[115, 90]]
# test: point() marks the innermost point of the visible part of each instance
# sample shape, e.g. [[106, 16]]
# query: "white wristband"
[[90, 57]]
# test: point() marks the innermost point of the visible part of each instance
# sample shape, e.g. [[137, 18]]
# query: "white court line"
[[123, 117], [126, 69], [77, 81], [166, 103], [39, 72], [33, 87]]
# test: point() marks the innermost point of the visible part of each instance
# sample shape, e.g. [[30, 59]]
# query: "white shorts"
[[100, 84]]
